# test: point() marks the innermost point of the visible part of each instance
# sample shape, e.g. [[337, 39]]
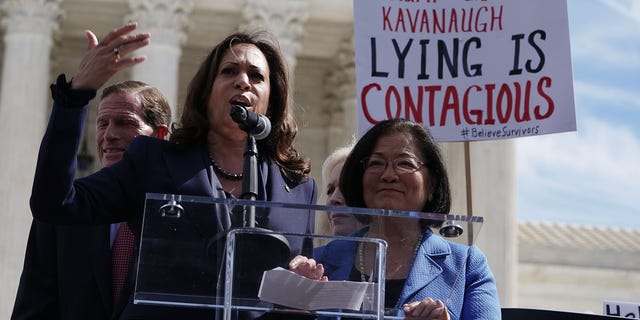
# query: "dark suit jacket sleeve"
[[103, 197], [38, 288], [53, 188]]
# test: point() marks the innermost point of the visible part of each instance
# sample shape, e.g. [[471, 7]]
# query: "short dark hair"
[[353, 170], [278, 146], [155, 107]]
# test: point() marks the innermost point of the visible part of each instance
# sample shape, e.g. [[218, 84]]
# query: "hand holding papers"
[[284, 287]]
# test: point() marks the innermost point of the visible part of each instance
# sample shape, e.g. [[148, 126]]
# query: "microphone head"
[[239, 115], [450, 229], [263, 128], [255, 124]]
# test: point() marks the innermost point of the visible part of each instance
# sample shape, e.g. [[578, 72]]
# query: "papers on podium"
[[287, 288]]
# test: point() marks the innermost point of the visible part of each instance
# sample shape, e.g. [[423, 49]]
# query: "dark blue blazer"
[[150, 165], [458, 275]]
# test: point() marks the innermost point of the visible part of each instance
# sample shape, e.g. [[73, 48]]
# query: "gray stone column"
[[24, 110], [340, 100], [494, 197], [339, 116], [284, 18], [166, 20]]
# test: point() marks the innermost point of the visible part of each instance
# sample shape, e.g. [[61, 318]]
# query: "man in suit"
[[68, 269]]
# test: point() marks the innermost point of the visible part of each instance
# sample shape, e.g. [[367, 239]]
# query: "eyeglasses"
[[403, 165]]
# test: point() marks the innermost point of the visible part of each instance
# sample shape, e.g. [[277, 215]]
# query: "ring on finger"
[[116, 53]]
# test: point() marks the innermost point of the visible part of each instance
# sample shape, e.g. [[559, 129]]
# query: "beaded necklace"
[[225, 174], [361, 258], [361, 255]]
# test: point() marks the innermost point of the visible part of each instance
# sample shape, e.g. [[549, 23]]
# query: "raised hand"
[[106, 57]]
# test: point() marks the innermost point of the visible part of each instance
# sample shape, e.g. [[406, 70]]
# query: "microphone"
[[255, 124], [172, 208], [450, 229]]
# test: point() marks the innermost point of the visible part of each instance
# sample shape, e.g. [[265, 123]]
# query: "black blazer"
[[66, 275], [117, 193]]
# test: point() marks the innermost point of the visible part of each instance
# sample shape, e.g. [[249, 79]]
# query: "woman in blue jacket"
[[397, 165]]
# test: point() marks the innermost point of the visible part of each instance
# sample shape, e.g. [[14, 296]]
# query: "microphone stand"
[[250, 181], [256, 251]]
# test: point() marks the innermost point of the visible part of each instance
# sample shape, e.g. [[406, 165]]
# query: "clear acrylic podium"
[[187, 258]]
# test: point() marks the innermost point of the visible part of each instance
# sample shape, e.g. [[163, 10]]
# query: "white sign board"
[[466, 69], [629, 310]]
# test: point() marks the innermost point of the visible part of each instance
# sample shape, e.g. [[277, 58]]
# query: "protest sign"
[[466, 69]]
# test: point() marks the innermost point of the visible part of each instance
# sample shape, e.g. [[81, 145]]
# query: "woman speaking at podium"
[[204, 156]]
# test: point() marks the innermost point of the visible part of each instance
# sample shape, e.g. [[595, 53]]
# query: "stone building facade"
[[43, 38], [576, 268]]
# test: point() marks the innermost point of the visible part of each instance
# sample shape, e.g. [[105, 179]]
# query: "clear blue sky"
[[592, 176]]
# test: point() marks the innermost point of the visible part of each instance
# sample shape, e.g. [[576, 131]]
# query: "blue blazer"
[[458, 275], [150, 165]]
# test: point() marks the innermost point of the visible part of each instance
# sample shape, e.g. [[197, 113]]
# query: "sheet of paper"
[[284, 287]]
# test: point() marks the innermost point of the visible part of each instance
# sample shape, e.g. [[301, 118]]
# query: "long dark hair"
[[278, 146], [353, 170]]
